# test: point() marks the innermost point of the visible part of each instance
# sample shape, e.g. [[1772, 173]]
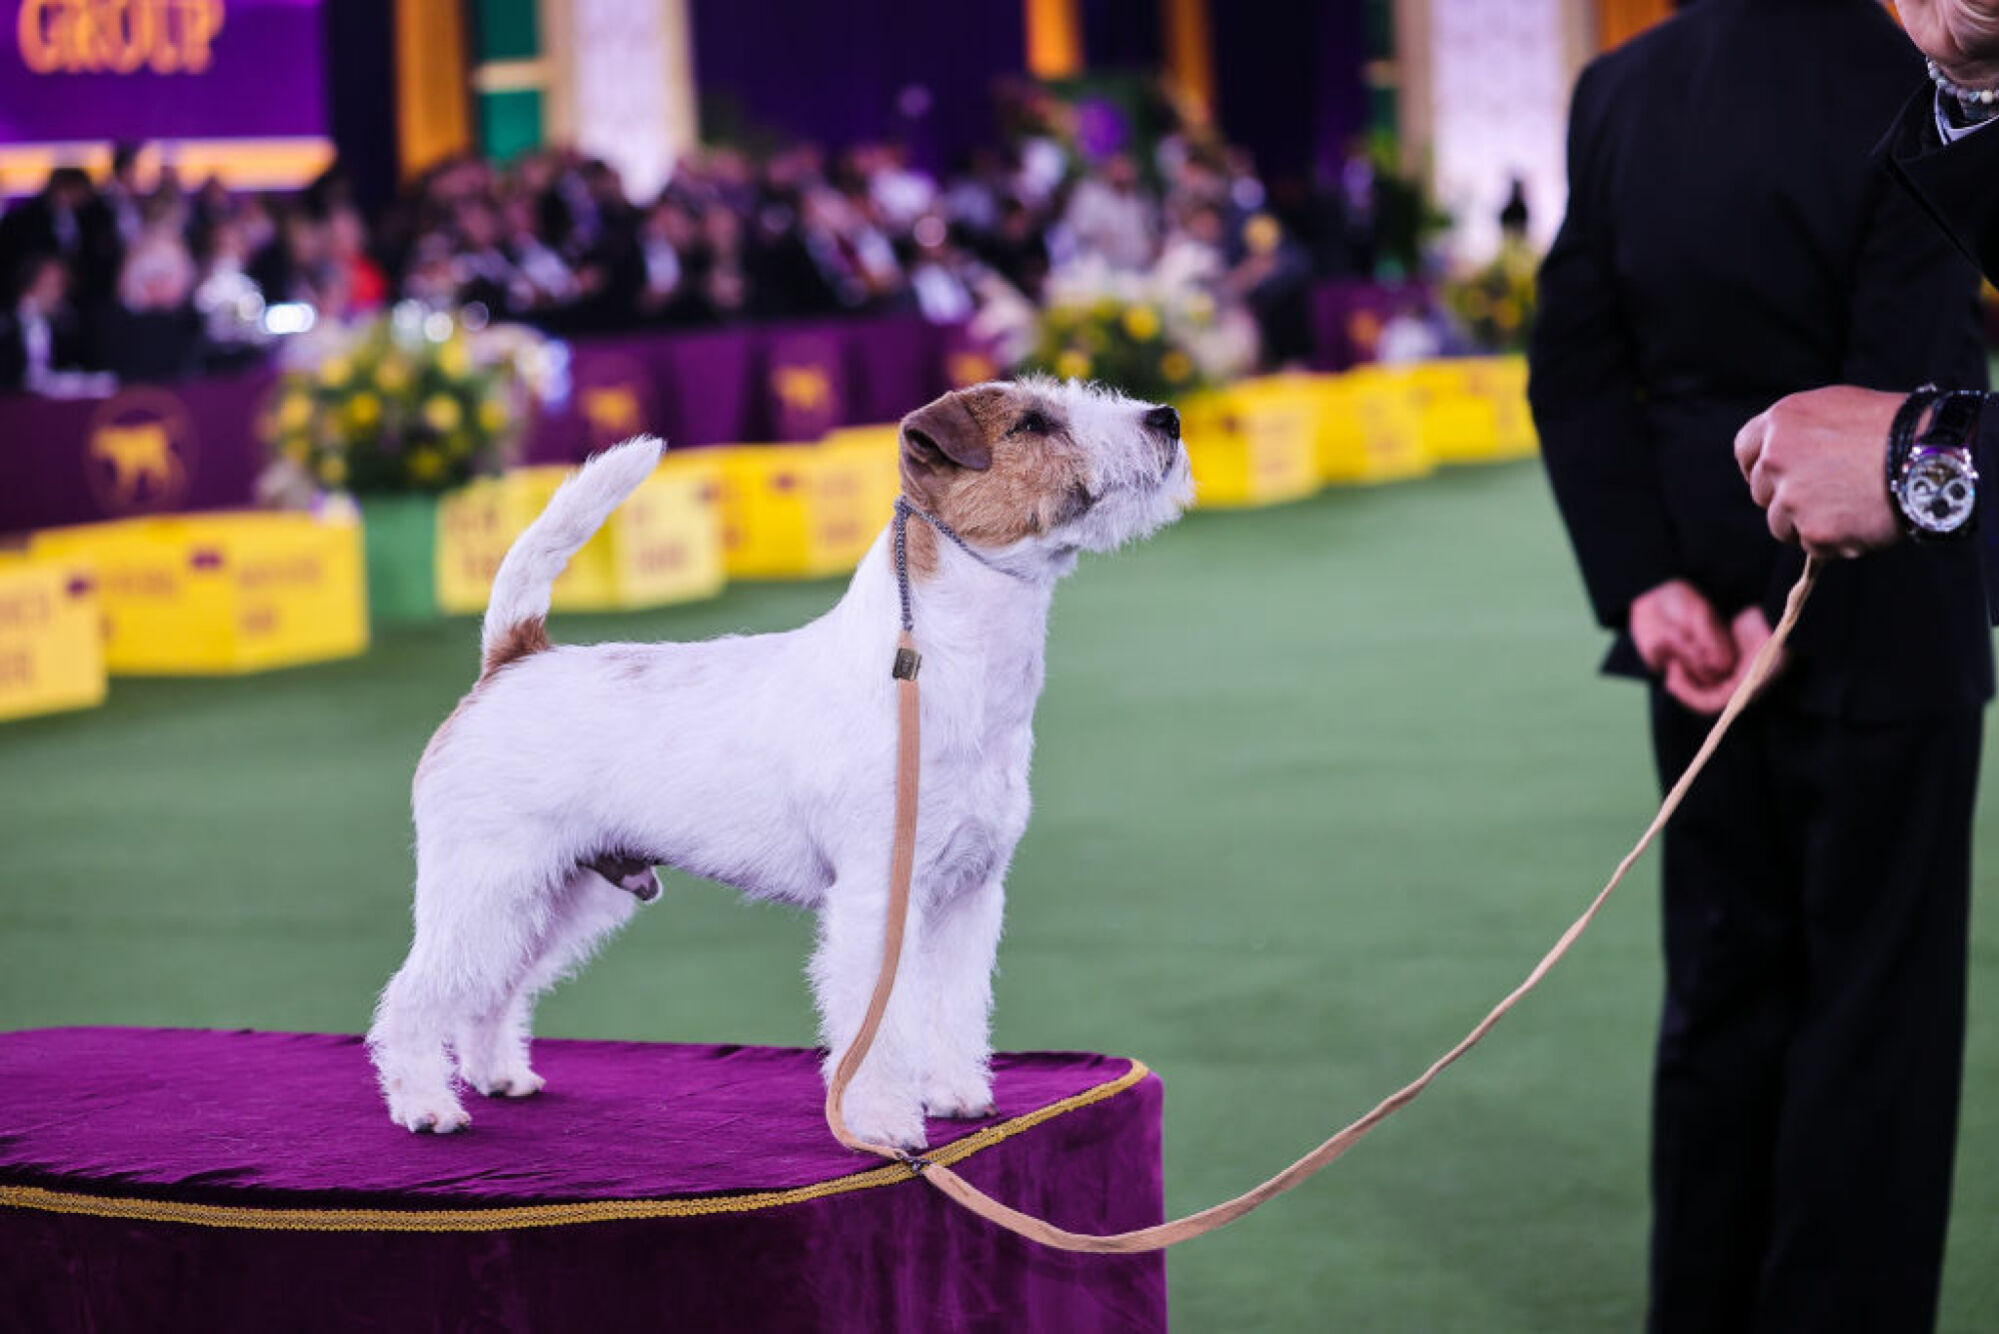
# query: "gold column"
[[683, 108], [1190, 55], [433, 106], [1054, 39], [1618, 21]]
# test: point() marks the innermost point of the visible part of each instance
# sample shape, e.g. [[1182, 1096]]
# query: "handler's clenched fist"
[[1817, 462]]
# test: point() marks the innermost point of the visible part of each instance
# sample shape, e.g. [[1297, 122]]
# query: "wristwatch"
[[1932, 477]]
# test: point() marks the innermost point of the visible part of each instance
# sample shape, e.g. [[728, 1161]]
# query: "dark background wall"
[[834, 72], [361, 94], [1288, 74], [1288, 80]]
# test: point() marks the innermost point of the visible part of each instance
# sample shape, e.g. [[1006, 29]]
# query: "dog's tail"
[[519, 605]]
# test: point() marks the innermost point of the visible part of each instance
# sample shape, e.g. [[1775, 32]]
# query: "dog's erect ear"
[[943, 435]]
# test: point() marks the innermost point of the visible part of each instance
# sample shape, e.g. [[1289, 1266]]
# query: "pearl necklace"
[[1978, 105]]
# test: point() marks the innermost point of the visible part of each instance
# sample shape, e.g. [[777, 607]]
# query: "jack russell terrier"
[[767, 762]]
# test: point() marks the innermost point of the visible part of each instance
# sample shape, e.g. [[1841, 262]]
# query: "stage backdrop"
[[249, 73]]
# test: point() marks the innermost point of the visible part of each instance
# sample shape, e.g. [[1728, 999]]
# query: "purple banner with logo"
[[151, 449], [160, 69], [148, 449]]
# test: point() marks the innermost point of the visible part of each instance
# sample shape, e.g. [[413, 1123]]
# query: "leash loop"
[[1160, 1236]]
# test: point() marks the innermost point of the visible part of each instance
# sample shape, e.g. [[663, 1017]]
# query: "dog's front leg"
[[884, 1103], [959, 945]]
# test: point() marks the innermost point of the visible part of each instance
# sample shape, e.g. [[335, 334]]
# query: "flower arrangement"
[[405, 404], [1152, 335], [1495, 304]]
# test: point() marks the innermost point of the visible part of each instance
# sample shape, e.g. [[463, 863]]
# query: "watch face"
[[1939, 490]]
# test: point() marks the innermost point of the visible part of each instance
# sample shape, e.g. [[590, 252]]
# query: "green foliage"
[[1495, 304]]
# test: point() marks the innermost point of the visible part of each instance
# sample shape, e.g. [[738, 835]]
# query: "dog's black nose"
[[1164, 420]]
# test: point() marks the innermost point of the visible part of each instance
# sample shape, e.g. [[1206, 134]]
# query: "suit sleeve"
[[1584, 389], [1957, 186]]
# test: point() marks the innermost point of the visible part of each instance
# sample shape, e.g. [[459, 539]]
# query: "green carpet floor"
[[1313, 787]]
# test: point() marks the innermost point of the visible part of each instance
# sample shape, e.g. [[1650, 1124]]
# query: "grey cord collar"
[[903, 512]]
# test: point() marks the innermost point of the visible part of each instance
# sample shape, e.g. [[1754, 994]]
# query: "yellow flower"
[[294, 411], [492, 415], [1105, 308], [442, 413], [296, 449], [426, 464], [333, 470], [1506, 313], [1072, 365], [333, 372], [1176, 366], [1141, 322], [392, 376], [453, 359], [363, 411]]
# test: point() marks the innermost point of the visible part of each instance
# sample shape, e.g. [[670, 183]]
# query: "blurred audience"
[[151, 281]]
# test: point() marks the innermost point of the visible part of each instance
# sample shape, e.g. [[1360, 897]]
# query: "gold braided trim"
[[535, 1215]]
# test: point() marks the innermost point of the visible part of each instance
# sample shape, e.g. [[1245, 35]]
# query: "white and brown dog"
[[768, 762]]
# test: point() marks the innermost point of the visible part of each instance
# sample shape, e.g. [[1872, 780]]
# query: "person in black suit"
[[1728, 241], [1815, 460], [39, 334]]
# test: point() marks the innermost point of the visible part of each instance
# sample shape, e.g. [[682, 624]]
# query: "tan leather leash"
[[902, 863]]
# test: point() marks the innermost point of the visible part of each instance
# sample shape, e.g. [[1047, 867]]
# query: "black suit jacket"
[[1958, 186], [66, 346], [1731, 239]]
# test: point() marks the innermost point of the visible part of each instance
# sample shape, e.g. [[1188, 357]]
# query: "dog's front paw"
[[881, 1119], [439, 1115], [967, 1099]]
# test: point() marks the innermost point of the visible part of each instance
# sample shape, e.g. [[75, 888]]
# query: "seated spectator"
[[1018, 250], [361, 279], [232, 308], [1112, 217], [122, 200], [39, 331], [719, 268], [153, 332], [485, 272], [66, 220], [546, 278], [666, 296], [942, 276]]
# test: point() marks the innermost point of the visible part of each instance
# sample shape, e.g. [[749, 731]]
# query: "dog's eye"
[[1030, 423]]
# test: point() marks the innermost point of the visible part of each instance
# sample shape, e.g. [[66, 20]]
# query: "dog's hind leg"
[[477, 920], [884, 1103], [493, 1049], [407, 1044]]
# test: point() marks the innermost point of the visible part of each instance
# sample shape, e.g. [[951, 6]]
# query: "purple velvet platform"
[[165, 1179]]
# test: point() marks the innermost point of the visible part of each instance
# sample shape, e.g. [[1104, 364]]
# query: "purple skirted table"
[[172, 1179]]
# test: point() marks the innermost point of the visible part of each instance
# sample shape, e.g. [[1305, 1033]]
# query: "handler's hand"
[[1816, 461], [1673, 625], [1749, 632], [1962, 36]]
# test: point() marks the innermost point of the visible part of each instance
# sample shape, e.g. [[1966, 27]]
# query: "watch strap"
[[1955, 421], [1902, 438]]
